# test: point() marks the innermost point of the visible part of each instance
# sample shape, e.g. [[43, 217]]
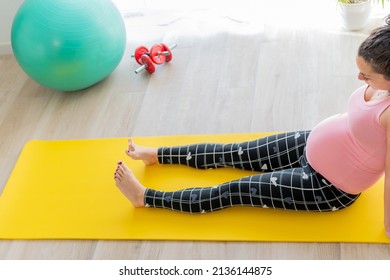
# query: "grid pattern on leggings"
[[266, 154], [288, 181], [300, 188]]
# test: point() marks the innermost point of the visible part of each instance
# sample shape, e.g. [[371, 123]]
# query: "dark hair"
[[375, 49]]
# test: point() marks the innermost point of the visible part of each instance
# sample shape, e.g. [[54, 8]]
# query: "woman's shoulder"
[[385, 119]]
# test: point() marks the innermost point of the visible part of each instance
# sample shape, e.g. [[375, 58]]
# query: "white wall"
[[8, 9]]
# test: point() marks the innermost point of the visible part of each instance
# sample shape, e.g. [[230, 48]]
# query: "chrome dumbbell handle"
[[140, 69]]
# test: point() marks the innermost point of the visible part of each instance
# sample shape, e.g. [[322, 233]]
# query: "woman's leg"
[[255, 191], [300, 188], [266, 154]]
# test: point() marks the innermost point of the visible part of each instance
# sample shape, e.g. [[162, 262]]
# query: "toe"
[[117, 178], [119, 170], [131, 147]]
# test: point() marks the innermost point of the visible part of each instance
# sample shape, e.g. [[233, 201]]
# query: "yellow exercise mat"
[[65, 190]]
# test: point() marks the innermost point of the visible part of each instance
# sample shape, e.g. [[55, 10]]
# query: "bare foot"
[[129, 185], [148, 155]]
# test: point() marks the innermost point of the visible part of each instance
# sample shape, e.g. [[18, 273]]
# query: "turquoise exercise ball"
[[68, 45]]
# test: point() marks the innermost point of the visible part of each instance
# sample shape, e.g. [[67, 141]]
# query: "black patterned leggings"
[[286, 180]]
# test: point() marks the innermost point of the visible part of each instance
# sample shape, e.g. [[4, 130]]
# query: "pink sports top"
[[349, 149]]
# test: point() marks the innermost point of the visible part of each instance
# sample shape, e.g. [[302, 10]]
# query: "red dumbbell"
[[146, 63], [161, 53], [158, 54], [139, 52]]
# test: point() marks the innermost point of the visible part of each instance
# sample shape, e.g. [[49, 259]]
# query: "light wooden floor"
[[226, 77]]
